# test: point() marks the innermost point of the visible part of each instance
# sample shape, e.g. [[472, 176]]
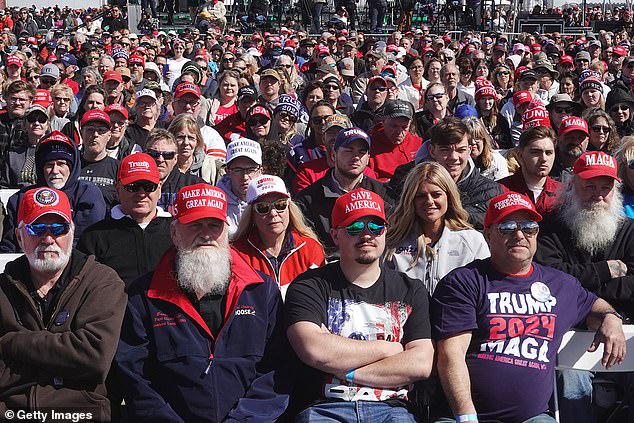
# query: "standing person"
[[468, 310], [428, 234], [363, 330], [136, 224], [56, 302], [272, 236], [224, 356]]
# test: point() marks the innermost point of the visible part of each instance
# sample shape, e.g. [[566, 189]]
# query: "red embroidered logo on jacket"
[[163, 319]]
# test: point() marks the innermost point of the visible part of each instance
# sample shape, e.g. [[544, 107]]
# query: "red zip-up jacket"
[[385, 156], [546, 203]]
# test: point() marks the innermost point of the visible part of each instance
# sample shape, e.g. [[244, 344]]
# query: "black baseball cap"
[[247, 92]]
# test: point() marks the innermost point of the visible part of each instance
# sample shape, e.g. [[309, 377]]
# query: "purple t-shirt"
[[517, 323]]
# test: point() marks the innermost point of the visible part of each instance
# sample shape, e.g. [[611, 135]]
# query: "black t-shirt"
[[137, 135], [104, 175], [395, 308], [211, 308]]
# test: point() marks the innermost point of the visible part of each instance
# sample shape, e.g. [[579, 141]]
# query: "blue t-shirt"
[[517, 323]]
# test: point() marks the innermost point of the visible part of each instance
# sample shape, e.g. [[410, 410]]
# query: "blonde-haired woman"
[[625, 160], [428, 234], [273, 236], [224, 103], [191, 157], [489, 162]]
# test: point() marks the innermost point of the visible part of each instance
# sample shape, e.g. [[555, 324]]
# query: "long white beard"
[[593, 227], [48, 265], [204, 270]]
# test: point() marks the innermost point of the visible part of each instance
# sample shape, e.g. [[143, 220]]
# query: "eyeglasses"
[[528, 227], [258, 122], [379, 88], [619, 108], [599, 128], [331, 87], [502, 73], [227, 59], [147, 186], [41, 229], [47, 81], [62, 99], [134, 64], [99, 129], [32, 118], [192, 104], [318, 120], [93, 58], [265, 208], [155, 154], [375, 227], [246, 171], [438, 96], [286, 66], [563, 109], [287, 116]]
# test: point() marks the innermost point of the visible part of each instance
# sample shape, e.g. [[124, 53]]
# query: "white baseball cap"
[[145, 93], [244, 147], [265, 184]]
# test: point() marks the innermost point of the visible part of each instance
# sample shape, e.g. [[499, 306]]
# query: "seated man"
[[362, 329], [57, 164], [351, 156], [60, 314], [136, 234], [499, 322], [201, 346], [573, 142]]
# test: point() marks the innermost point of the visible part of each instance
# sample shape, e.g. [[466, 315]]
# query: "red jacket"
[[310, 172], [386, 156], [306, 253], [232, 124], [545, 203]]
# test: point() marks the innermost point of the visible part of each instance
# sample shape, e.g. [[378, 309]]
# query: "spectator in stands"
[[147, 112], [371, 108], [272, 236], [236, 123], [619, 105], [350, 291], [392, 142], [572, 142], [375, 61], [560, 106], [312, 147], [119, 146], [285, 128], [258, 122], [21, 169], [450, 76], [536, 156], [603, 136], [461, 310], [57, 163], [591, 93], [94, 98], [429, 230], [137, 224], [590, 239], [199, 382], [351, 157], [244, 163], [19, 95], [57, 302], [489, 162], [434, 110], [270, 84], [62, 96]]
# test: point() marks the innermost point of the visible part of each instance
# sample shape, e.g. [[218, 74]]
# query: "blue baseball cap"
[[346, 136]]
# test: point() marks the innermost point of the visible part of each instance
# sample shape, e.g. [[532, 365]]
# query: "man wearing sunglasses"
[[216, 352], [372, 105], [363, 329], [56, 302], [498, 323], [135, 235], [591, 240], [573, 142]]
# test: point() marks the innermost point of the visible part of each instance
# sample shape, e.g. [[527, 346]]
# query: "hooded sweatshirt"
[[235, 205], [85, 199]]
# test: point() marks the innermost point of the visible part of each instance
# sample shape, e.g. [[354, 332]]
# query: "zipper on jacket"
[[278, 273], [210, 360]]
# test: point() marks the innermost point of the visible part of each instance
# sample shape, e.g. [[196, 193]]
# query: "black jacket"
[[174, 182], [317, 201], [125, 247], [555, 248], [364, 117]]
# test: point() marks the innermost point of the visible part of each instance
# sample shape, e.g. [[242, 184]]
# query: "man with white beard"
[[591, 239], [60, 314], [200, 341]]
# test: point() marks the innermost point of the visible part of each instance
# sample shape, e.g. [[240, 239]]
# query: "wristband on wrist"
[[466, 418], [350, 375]]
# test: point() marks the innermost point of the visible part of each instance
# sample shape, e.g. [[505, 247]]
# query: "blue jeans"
[[317, 10], [575, 396], [542, 418], [355, 411]]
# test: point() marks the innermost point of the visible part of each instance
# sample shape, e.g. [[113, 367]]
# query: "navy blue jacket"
[[171, 367]]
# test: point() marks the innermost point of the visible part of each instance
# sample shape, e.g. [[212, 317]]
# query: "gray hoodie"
[[235, 206]]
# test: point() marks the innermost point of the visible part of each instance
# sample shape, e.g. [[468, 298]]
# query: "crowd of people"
[[283, 227]]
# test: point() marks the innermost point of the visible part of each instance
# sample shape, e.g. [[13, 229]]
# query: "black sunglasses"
[[32, 118], [265, 208], [155, 154], [528, 227], [256, 122], [147, 186]]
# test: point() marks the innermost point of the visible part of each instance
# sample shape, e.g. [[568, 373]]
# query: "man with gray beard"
[[590, 238], [60, 314], [200, 340]]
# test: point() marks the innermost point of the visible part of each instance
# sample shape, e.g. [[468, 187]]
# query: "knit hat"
[[55, 146], [618, 96], [484, 88], [535, 116], [288, 104], [591, 83]]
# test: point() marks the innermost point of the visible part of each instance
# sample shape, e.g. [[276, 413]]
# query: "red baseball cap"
[[14, 60], [95, 115], [572, 123], [522, 97], [594, 164], [507, 203], [201, 53], [112, 76], [357, 204], [566, 59], [137, 58], [186, 88], [116, 107], [258, 110], [44, 200], [200, 201], [619, 51], [138, 167], [43, 97]]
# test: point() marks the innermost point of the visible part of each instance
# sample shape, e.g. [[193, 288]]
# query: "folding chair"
[[573, 354]]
